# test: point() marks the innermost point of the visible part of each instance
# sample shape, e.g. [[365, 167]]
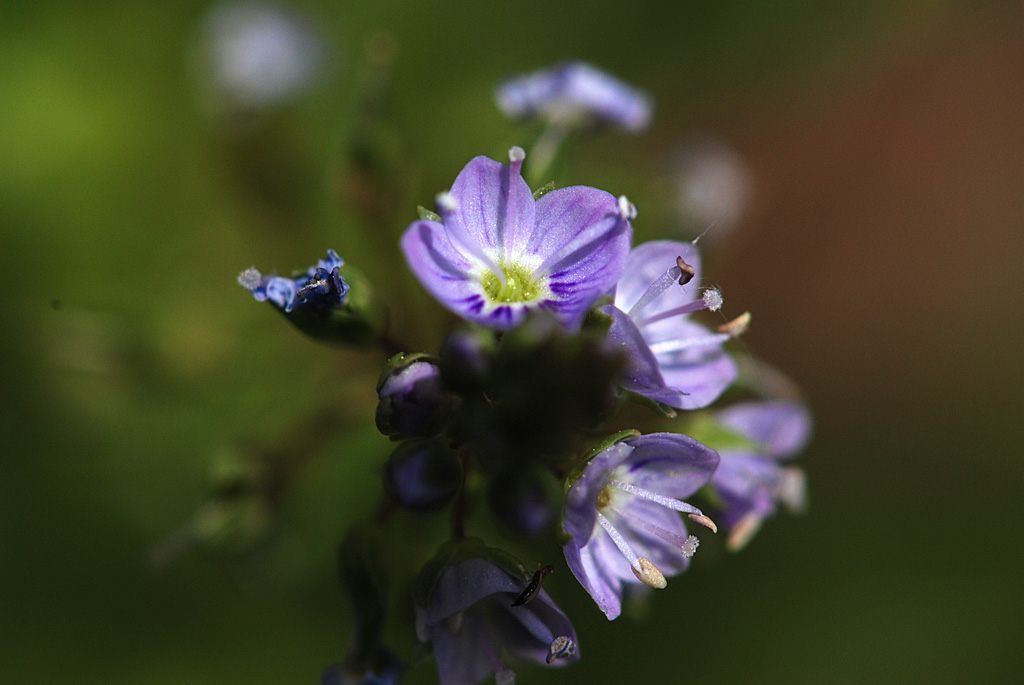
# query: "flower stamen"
[[687, 545], [668, 502], [680, 344], [655, 290]]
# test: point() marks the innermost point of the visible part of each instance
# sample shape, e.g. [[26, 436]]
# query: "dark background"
[[881, 258]]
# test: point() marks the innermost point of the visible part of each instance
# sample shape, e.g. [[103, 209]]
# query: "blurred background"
[[863, 164]]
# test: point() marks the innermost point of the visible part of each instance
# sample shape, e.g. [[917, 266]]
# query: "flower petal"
[[465, 656], [443, 270], [670, 464], [782, 427], [581, 501], [495, 207], [604, 589], [463, 584]]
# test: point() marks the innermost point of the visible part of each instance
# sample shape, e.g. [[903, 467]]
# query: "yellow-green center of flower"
[[520, 285]]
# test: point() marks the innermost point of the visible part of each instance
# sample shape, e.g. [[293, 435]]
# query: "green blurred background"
[[880, 255]]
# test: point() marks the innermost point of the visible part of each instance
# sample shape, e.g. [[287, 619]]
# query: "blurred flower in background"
[[254, 56], [713, 187]]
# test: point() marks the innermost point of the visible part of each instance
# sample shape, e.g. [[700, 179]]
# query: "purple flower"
[[321, 288], [621, 514], [750, 481], [670, 359], [497, 254], [470, 619], [575, 93]]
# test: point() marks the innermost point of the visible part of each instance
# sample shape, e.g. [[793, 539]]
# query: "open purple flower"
[[620, 513], [320, 288], [575, 93], [470, 619], [497, 254], [670, 359], [750, 481]]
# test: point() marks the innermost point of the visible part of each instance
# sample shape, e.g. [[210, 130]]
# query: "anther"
[[713, 299], [686, 271], [250, 279], [627, 210], [445, 202], [562, 647], [743, 532], [737, 326], [689, 546], [649, 574], [704, 521], [516, 154]]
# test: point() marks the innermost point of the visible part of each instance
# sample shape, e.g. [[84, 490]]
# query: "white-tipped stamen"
[[657, 531], [743, 532], [445, 203], [713, 299], [654, 291], [507, 224], [704, 521], [562, 647], [688, 308], [649, 574], [681, 344], [689, 547], [674, 504], [737, 326], [250, 279], [627, 210], [619, 541]]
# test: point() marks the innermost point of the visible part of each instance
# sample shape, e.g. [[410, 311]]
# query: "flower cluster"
[[565, 322]]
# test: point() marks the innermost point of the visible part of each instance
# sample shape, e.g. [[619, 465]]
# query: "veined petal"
[[669, 464], [444, 271], [782, 427], [581, 500], [529, 629], [574, 223], [463, 584], [465, 656], [495, 207], [641, 374], [604, 588]]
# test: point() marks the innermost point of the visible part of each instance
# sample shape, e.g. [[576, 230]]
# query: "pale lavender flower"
[[259, 54], [320, 288], [575, 93], [621, 514], [670, 359], [750, 480], [497, 254], [470, 620]]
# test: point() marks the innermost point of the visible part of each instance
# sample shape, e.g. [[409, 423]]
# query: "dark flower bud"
[[466, 359], [423, 475], [524, 501], [413, 401]]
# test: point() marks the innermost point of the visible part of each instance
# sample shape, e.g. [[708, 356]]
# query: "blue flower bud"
[[423, 475], [413, 401]]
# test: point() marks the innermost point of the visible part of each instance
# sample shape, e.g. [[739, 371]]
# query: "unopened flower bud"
[[413, 401], [423, 475]]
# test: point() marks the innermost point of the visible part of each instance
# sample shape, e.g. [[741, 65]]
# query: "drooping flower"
[[470, 620], [620, 513], [320, 288], [497, 254], [750, 480], [670, 359], [575, 93]]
